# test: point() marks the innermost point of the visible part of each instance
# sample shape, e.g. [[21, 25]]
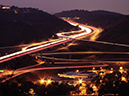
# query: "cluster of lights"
[[82, 88], [46, 82], [111, 71], [5, 7], [121, 70], [93, 70]]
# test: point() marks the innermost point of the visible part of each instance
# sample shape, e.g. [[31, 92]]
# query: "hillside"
[[97, 18], [25, 25], [117, 32]]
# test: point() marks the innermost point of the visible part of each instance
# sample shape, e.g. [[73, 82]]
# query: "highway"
[[83, 52], [84, 61], [20, 72], [48, 45], [77, 36], [31, 48], [95, 34], [65, 37]]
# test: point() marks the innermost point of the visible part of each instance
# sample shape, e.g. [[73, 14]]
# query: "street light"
[[42, 81], [80, 81]]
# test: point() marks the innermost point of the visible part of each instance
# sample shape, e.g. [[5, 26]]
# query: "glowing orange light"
[[83, 90], [101, 81], [111, 71], [101, 73], [77, 70], [5, 7], [15, 11], [58, 74], [76, 24], [94, 71], [80, 81], [35, 44], [73, 44], [111, 68], [42, 81], [95, 88], [121, 68], [116, 75], [96, 34], [123, 79], [31, 91], [49, 81], [24, 48]]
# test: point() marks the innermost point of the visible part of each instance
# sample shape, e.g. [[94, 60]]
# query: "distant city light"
[[5, 7]]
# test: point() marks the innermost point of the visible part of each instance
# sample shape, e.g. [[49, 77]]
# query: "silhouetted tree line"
[[98, 18], [22, 86], [18, 25], [112, 84]]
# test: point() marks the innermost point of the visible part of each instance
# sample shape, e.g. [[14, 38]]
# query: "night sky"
[[53, 6]]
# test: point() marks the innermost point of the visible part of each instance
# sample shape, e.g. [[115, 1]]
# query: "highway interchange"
[[65, 37]]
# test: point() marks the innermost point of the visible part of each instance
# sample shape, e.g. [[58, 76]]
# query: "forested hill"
[[97, 18], [25, 25], [117, 32]]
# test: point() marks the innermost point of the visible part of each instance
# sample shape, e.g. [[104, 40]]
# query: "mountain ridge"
[[25, 25], [97, 18], [117, 32]]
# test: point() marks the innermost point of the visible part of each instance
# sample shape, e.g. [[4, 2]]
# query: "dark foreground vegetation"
[[115, 83]]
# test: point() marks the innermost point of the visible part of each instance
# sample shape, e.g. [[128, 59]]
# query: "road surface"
[[48, 45]]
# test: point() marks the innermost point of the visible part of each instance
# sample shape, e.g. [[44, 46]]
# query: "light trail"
[[95, 34], [31, 50], [37, 44], [103, 42], [46, 68], [86, 61], [48, 45], [84, 52], [66, 47], [19, 69]]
